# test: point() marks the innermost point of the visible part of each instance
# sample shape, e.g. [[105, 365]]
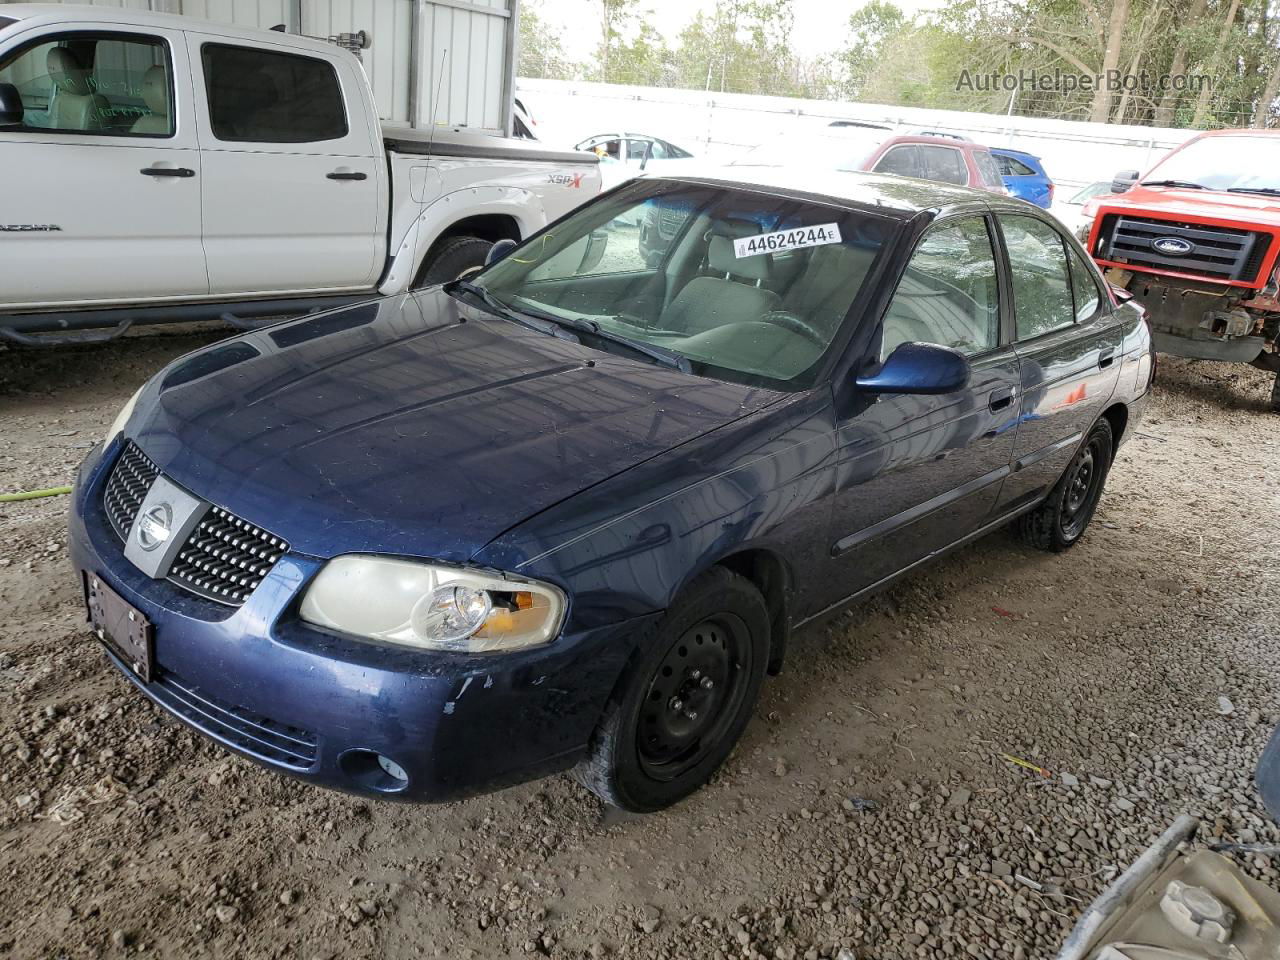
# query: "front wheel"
[[1061, 520], [455, 258], [681, 707]]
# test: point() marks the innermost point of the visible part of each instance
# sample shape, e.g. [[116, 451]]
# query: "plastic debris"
[[1027, 765]]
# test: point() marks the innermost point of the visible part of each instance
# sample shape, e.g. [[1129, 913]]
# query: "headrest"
[[65, 71], [155, 91], [721, 259]]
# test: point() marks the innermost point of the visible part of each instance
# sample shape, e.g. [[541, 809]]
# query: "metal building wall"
[[448, 62]]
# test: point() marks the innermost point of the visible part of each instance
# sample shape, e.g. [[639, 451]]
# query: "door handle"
[[183, 172], [344, 175], [1106, 358], [1000, 399]]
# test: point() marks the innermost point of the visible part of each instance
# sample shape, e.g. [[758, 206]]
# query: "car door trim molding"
[[1031, 459], [889, 524]]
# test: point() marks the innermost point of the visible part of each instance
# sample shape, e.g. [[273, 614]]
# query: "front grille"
[[225, 558], [132, 477], [1223, 253], [263, 737]]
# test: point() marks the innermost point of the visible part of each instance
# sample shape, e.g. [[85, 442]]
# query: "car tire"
[[1060, 521], [684, 700], [455, 258], [1275, 395]]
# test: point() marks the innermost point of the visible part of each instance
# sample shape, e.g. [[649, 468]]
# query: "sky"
[[820, 24]]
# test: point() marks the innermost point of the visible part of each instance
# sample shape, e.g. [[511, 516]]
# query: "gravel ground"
[[869, 807]]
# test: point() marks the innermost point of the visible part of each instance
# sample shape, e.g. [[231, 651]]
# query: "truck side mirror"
[[11, 111], [1124, 180], [499, 250]]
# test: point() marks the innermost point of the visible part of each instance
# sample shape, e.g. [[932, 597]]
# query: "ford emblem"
[[1173, 246], [154, 526]]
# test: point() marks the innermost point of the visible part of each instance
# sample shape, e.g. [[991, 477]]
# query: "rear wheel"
[[1061, 520], [684, 703], [1275, 395], [455, 258]]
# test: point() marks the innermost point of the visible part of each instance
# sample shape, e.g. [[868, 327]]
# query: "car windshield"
[[1091, 191], [1240, 163], [733, 284], [846, 148]]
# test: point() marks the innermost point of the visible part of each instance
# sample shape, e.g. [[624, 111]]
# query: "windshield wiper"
[[1265, 191], [566, 327], [1184, 184], [668, 358]]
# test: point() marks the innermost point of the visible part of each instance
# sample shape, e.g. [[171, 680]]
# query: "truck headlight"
[[432, 606], [122, 418]]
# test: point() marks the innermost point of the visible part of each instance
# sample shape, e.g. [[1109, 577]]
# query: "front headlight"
[[122, 418], [432, 606]]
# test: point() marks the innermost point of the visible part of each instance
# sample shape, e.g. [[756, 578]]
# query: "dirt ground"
[[868, 809]]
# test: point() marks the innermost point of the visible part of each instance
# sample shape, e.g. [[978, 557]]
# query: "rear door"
[[101, 194], [294, 182], [918, 473], [1068, 340]]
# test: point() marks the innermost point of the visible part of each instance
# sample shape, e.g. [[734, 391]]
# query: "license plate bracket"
[[120, 626]]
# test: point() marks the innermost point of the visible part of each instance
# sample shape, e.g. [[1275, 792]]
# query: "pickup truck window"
[[105, 84], [260, 96], [948, 293], [1042, 298]]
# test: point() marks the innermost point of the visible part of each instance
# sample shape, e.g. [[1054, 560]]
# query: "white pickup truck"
[[159, 168]]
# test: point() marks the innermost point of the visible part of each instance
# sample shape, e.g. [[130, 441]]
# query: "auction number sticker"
[[786, 240]]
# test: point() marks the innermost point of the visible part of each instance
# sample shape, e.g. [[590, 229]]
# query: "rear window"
[[988, 169], [259, 96]]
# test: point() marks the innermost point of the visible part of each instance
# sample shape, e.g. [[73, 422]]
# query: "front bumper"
[[322, 707]]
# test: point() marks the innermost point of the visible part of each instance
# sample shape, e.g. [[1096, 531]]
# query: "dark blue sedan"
[[566, 513], [1025, 176]]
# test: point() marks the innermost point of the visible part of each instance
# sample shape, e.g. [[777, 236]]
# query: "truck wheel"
[[1061, 520], [683, 704], [455, 257]]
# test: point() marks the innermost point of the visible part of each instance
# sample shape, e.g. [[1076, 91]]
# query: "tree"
[[540, 52], [872, 27]]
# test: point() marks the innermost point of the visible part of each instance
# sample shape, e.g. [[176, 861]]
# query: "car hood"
[[416, 425], [1170, 203]]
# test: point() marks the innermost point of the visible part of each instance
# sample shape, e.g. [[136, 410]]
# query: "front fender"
[[627, 546], [449, 211]]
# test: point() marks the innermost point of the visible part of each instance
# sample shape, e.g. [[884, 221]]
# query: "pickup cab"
[[1196, 241], [160, 168]]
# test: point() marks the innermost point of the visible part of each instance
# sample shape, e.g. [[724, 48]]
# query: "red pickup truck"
[[1196, 242]]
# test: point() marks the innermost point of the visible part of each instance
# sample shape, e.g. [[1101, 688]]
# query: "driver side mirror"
[[918, 368], [1123, 180], [498, 251], [11, 110]]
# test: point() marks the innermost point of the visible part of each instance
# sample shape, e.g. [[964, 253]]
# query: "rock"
[[226, 913], [368, 908], [959, 797], [1123, 805], [1101, 782], [289, 897], [780, 769], [1069, 779], [1225, 707]]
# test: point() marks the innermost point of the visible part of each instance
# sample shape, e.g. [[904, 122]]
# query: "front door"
[[918, 473], [102, 177], [294, 181], [1068, 340]]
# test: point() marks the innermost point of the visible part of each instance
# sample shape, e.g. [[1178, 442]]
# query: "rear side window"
[[943, 164], [1042, 297], [987, 167], [1014, 168], [903, 161], [260, 96]]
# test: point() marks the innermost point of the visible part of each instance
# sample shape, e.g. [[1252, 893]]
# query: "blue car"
[[1024, 175], [566, 513]]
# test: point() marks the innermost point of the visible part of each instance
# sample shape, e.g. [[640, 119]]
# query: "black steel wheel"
[[1060, 521], [685, 698]]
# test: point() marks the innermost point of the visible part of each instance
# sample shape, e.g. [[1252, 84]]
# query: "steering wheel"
[[797, 324]]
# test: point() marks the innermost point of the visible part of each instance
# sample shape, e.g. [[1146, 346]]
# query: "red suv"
[[945, 159]]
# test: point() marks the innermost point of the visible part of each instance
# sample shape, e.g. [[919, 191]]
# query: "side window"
[[1042, 300], [107, 84], [1018, 169], [1084, 288], [259, 96], [943, 164], [987, 167], [904, 161], [948, 293]]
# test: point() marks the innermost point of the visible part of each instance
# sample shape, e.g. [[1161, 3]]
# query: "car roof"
[[35, 13], [903, 196]]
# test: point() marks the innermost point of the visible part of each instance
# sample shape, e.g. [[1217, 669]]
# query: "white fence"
[[725, 125]]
